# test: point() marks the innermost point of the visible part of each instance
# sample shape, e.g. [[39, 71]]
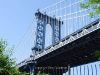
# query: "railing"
[[25, 62]]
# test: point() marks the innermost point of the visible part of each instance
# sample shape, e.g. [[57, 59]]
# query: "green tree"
[[94, 5], [97, 53], [7, 64], [39, 73]]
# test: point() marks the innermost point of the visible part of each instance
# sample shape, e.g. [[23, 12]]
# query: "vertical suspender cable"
[[70, 18], [83, 17], [76, 18], [65, 20]]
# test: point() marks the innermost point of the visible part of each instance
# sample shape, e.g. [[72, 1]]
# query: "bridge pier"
[[31, 69], [32, 66]]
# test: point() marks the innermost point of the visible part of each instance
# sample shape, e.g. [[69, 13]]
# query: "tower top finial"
[[59, 18], [54, 16], [38, 10], [45, 12]]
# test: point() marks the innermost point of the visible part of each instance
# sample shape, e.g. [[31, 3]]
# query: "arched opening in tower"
[[48, 36]]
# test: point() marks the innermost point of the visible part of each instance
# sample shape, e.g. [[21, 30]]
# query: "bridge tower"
[[42, 20]]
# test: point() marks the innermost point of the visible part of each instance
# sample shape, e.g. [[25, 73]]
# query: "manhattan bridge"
[[61, 40]]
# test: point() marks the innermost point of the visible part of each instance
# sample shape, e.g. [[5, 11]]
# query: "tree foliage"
[[6, 62], [94, 5], [39, 73], [97, 53]]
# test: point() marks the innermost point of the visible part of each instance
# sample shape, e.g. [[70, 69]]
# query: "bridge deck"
[[77, 52]]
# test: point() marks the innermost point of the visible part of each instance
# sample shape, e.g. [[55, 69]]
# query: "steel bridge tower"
[[42, 20]]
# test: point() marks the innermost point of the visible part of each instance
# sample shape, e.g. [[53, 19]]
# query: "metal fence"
[[87, 69]]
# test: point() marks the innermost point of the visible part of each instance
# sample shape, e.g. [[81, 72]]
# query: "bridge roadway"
[[74, 50]]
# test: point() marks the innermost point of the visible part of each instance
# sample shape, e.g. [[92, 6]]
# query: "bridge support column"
[[32, 68], [55, 71]]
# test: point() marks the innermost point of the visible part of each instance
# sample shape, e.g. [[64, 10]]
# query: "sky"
[[15, 17]]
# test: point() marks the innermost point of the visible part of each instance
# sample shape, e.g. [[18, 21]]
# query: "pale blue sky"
[[16, 15]]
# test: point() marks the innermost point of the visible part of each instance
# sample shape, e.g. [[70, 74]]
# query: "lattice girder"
[[42, 21]]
